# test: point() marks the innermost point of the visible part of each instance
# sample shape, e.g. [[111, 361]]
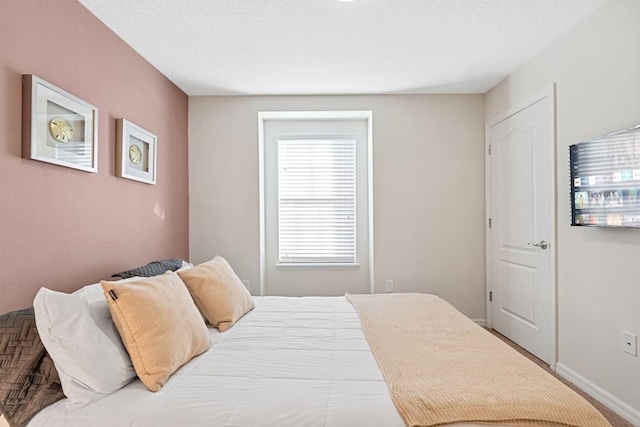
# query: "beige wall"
[[428, 187], [63, 228], [597, 70]]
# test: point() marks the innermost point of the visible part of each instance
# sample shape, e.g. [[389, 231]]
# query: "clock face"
[[61, 130], [135, 154]]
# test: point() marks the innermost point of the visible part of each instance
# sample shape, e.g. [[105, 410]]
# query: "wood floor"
[[612, 417]]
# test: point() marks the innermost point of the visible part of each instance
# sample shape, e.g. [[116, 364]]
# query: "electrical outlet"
[[247, 284], [388, 285], [630, 343]]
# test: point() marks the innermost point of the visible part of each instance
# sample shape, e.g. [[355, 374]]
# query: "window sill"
[[317, 266]]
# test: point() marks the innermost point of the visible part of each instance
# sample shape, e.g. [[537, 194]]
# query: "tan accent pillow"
[[159, 325], [218, 292]]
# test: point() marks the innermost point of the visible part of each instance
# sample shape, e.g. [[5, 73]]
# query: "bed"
[[385, 360], [288, 362]]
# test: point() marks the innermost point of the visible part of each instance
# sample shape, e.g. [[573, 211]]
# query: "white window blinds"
[[317, 201]]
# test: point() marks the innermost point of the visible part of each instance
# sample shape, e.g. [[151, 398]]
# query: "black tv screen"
[[605, 180]]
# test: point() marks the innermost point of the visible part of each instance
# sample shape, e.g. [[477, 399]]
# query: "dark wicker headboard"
[[28, 378]]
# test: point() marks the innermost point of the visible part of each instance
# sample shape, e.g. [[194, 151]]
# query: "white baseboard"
[[481, 322], [607, 399]]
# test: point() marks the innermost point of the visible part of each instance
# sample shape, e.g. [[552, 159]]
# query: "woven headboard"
[[28, 378]]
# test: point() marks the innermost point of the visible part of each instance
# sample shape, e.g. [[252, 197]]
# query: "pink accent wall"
[[63, 228]]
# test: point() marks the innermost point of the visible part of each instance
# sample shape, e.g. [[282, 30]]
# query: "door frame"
[[263, 117], [548, 92]]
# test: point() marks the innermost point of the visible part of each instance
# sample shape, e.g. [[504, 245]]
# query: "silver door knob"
[[542, 245]]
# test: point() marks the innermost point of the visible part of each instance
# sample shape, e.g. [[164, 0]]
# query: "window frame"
[[269, 116]]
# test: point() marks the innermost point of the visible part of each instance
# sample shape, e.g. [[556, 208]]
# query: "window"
[[317, 201]]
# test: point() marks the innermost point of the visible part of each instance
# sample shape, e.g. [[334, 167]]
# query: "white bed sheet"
[[289, 362]]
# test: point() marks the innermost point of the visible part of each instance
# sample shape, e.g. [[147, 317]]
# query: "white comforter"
[[289, 362]]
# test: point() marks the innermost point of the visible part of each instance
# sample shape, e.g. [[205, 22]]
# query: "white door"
[[522, 266]]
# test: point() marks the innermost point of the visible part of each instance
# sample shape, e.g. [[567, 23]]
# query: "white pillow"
[[77, 331]]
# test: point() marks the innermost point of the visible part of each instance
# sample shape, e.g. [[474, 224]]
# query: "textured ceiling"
[[260, 47]]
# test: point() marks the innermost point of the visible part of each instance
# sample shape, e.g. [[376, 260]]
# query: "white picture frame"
[[43, 104], [136, 152]]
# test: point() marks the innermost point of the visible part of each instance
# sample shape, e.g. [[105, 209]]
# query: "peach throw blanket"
[[442, 368]]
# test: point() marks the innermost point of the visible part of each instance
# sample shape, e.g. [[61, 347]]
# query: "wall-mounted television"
[[605, 180]]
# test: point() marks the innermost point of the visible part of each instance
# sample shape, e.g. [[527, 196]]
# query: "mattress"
[[289, 362]]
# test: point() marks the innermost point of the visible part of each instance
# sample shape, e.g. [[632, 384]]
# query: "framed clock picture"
[[58, 127], [136, 152]]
